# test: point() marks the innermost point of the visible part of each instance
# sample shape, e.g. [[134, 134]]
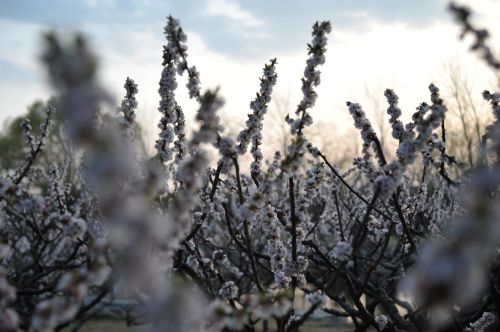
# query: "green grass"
[[105, 325]]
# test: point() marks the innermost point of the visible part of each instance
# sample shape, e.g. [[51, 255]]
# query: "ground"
[[119, 326]]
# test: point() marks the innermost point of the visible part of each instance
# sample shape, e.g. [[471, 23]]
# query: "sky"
[[374, 45]]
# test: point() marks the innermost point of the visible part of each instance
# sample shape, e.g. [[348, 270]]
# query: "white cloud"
[[101, 4], [232, 10]]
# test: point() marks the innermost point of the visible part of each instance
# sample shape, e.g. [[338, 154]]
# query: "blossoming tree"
[[406, 242]]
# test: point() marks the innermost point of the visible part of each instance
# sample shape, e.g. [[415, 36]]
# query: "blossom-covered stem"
[[462, 15], [368, 134], [193, 78], [259, 107], [210, 122], [128, 107], [252, 133], [167, 106], [257, 157], [311, 78], [180, 143], [192, 73], [176, 51], [34, 152], [28, 136], [398, 130]]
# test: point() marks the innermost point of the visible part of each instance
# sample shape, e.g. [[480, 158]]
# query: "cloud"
[[22, 77], [20, 46], [101, 4], [232, 10]]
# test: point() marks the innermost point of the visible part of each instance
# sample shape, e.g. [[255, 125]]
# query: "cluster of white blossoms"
[[252, 133], [378, 228], [228, 290], [370, 140], [311, 79], [275, 246], [483, 324], [172, 122], [362, 123], [128, 107], [408, 149], [316, 50], [176, 51], [168, 84], [316, 298], [341, 251], [381, 321], [28, 136], [399, 131]]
